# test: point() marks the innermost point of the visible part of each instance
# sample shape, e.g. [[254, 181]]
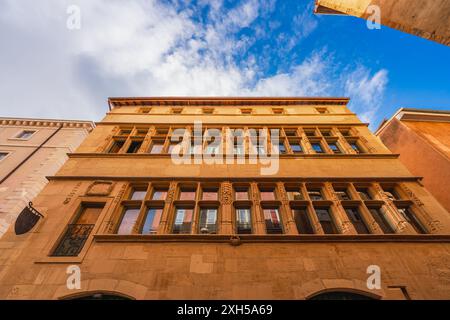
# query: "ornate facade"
[[216, 224]]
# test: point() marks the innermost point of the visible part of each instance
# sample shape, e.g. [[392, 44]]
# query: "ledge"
[[79, 155], [241, 239]]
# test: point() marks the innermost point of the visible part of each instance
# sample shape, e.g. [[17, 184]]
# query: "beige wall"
[[26, 182], [424, 18]]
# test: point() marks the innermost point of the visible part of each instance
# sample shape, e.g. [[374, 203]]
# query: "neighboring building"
[[30, 150], [140, 224], [422, 138], [423, 18]]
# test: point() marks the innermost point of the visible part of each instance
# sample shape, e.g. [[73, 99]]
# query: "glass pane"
[[89, 215], [334, 148], [183, 220], [294, 195], [25, 134], [128, 221], [357, 220], [302, 221], [187, 195], [209, 195], [273, 222], [243, 221], [281, 148], [117, 145], [296, 148], [355, 147], [208, 219], [134, 146], [315, 195], [326, 221], [138, 194], [159, 194], [156, 148], [342, 194], [3, 155], [412, 219], [317, 147], [241, 194], [152, 220], [364, 194], [267, 195], [381, 220]]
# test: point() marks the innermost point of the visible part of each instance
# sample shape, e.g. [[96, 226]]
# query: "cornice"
[[49, 123], [223, 101]]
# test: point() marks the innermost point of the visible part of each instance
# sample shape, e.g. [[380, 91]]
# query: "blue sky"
[[208, 48]]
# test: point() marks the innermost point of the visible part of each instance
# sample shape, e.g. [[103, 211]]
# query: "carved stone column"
[[286, 212], [164, 225], [343, 224], [260, 226], [372, 225], [226, 200]]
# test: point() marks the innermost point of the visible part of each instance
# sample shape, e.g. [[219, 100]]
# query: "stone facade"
[[118, 176], [422, 137], [423, 18], [33, 149]]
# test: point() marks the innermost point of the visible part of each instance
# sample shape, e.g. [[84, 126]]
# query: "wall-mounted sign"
[[27, 219]]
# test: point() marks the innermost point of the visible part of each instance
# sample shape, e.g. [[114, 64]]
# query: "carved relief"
[[227, 193], [72, 193], [100, 188], [171, 192], [412, 196]]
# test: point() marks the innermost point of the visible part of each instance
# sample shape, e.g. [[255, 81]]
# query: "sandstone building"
[[140, 224], [422, 138], [423, 18], [30, 150]]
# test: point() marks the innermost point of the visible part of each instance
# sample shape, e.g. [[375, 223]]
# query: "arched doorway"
[[340, 295], [99, 296]]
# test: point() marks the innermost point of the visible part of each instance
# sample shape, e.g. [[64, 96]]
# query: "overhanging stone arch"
[[120, 288], [320, 286]]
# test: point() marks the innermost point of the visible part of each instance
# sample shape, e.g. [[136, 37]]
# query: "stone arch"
[[119, 288], [317, 287]]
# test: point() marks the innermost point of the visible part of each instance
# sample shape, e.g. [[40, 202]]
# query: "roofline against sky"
[[232, 101]]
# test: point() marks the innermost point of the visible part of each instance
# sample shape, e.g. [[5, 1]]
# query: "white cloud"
[[145, 48]]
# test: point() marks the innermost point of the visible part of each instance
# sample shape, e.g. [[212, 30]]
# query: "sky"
[[207, 48]]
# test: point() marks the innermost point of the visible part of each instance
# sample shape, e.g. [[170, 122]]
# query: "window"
[[355, 147], [277, 110], [380, 218], [116, 146], [317, 147], [246, 111], [412, 219], [296, 147], [326, 221], [357, 221], [124, 132], [333, 146], [281, 148], [145, 110], [25, 134], [138, 193], [187, 194], [238, 148], [156, 147], [134, 146], [302, 221], [315, 194], [290, 132], [345, 132], [342, 194], [310, 133], [273, 221], [177, 110], [208, 221], [210, 195], [141, 132], [364, 194], [326, 133], [159, 194], [77, 233], [152, 219], [241, 194], [183, 220], [392, 194], [3, 155], [294, 194], [129, 219], [267, 194], [243, 221]]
